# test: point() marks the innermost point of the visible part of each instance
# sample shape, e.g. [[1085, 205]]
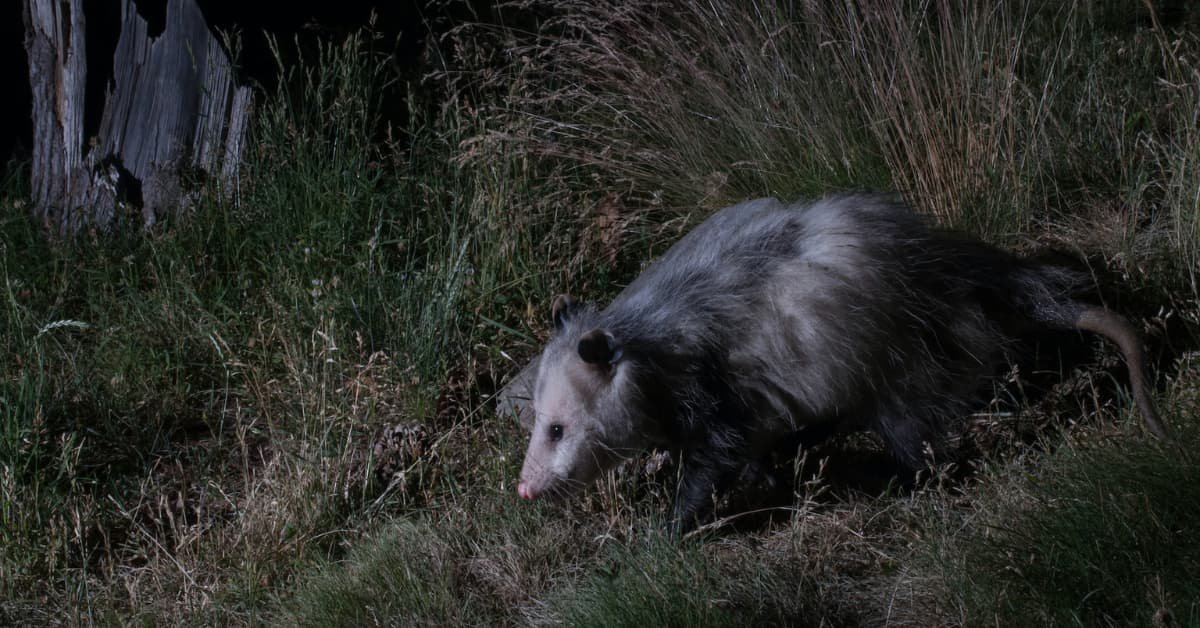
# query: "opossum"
[[768, 320]]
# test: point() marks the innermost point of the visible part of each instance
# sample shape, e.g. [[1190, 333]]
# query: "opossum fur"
[[771, 319]]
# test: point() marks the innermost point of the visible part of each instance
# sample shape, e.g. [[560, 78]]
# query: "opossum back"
[[850, 309], [720, 274]]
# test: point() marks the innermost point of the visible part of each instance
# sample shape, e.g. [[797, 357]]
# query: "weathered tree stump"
[[173, 118]]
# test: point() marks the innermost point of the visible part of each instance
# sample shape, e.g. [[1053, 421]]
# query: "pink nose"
[[524, 491]]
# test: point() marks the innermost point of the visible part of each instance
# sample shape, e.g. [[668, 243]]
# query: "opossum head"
[[586, 405]]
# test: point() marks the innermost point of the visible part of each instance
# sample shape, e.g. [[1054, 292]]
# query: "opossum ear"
[[599, 347], [562, 309]]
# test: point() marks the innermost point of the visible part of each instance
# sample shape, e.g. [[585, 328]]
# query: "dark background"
[[403, 23]]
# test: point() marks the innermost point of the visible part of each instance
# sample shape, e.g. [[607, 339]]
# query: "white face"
[[578, 429]]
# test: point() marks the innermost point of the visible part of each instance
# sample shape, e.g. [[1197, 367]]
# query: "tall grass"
[[677, 104], [961, 106], [699, 103], [1177, 160], [1099, 534], [208, 427], [371, 234], [987, 116]]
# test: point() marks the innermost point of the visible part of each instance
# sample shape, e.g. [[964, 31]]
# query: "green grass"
[[400, 577], [191, 418], [661, 583], [1102, 533]]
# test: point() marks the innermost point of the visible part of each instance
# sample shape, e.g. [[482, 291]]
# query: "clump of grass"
[[986, 116], [651, 578], [477, 559], [698, 103], [367, 236], [672, 106], [655, 583], [401, 575], [1101, 532], [1176, 169], [39, 464], [964, 125]]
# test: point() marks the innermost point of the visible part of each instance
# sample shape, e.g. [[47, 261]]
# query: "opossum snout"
[[525, 491]]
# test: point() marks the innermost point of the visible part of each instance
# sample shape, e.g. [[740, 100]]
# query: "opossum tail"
[[1118, 330], [1045, 297]]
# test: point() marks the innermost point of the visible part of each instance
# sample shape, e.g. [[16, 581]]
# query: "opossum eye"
[[556, 431]]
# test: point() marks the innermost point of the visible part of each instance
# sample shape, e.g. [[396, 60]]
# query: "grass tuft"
[[398, 577], [656, 582], [1099, 533]]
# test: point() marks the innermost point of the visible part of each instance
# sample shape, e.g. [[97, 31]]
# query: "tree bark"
[[54, 42], [174, 118]]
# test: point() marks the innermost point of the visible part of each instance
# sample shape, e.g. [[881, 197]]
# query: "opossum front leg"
[[701, 474]]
